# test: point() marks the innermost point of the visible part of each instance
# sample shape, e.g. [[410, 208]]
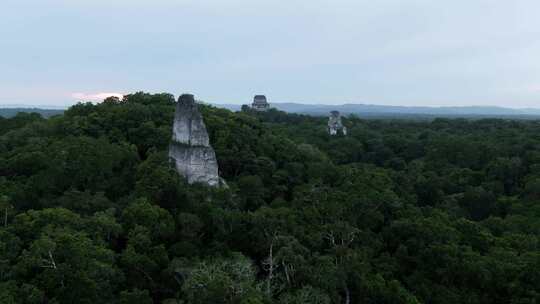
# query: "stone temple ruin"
[[260, 103], [190, 148], [335, 125]]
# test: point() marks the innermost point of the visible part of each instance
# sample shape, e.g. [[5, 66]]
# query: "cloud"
[[95, 96], [535, 88], [418, 52]]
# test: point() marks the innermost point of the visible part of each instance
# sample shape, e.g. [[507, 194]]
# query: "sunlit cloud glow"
[[95, 96], [534, 88]]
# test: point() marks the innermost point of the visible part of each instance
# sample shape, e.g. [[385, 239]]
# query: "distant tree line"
[[10, 112]]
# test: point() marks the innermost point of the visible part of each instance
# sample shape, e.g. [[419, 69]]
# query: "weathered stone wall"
[[188, 125], [197, 164], [190, 149], [260, 103]]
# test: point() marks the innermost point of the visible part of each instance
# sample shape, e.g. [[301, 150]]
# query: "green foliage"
[[230, 280], [442, 211]]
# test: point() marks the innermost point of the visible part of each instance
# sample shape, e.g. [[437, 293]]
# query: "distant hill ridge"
[[348, 108], [371, 110]]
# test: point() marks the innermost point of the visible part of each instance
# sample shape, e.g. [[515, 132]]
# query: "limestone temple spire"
[[190, 148]]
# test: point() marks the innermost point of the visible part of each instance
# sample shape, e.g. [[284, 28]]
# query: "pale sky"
[[398, 52]]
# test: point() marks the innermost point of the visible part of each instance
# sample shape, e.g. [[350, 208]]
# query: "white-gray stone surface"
[[190, 149], [188, 125]]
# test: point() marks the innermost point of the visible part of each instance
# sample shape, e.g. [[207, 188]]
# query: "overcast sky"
[[399, 52]]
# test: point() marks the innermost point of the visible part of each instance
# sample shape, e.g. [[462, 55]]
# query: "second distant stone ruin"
[[335, 126]]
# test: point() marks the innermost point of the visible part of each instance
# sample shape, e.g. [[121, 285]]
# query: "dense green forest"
[[442, 211]]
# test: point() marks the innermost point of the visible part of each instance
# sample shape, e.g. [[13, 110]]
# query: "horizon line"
[[58, 107]]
